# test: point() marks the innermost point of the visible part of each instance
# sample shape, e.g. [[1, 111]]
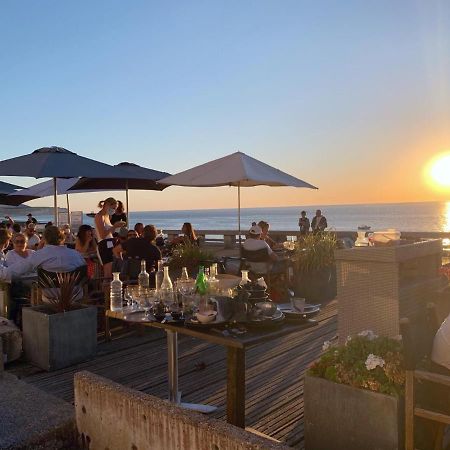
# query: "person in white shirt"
[[33, 238], [254, 243], [54, 257], [441, 345], [19, 251]]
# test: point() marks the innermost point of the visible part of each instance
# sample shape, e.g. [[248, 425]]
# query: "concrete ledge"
[[33, 419], [112, 416]]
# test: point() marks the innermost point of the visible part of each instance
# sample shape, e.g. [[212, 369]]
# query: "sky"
[[350, 96]]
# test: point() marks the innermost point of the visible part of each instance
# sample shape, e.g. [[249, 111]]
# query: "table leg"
[[236, 386], [172, 361]]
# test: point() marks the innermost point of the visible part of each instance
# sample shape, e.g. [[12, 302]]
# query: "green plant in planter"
[[62, 293], [316, 252], [366, 361], [190, 256]]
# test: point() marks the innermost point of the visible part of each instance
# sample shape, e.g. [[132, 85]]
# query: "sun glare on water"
[[439, 171]]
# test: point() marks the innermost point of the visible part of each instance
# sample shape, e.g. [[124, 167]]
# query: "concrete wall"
[[111, 416]]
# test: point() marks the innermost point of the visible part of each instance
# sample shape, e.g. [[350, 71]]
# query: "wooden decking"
[[274, 374]]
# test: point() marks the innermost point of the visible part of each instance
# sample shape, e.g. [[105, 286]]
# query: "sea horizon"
[[404, 216]]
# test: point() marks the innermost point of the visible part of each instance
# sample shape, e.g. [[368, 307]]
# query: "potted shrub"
[[316, 268], [190, 256], [61, 332], [354, 395]]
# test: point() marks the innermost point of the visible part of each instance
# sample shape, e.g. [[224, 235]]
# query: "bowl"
[[206, 317], [267, 308]]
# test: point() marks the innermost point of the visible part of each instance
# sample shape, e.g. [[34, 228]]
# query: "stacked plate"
[[309, 311]]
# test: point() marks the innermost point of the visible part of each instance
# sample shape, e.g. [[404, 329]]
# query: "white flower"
[[326, 345], [373, 361], [369, 334]]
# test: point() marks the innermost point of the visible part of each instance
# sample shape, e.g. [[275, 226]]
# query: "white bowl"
[[206, 318]]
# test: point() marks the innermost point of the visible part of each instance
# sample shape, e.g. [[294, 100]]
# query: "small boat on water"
[[91, 214]]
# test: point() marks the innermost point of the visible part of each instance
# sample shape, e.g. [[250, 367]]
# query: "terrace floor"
[[274, 373]]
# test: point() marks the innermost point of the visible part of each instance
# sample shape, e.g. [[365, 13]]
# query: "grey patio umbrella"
[[237, 169], [134, 177], [56, 162], [7, 188]]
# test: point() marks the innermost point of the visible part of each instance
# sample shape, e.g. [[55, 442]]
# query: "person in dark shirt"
[[31, 219], [119, 215], [319, 222], [141, 248], [303, 223]]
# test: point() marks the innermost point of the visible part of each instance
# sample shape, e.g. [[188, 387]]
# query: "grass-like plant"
[[189, 255], [366, 361], [316, 251], [63, 292]]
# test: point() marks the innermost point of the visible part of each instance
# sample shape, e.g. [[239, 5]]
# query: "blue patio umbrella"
[[57, 162], [8, 188]]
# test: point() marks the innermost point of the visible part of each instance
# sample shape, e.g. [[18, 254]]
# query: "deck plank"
[[274, 373]]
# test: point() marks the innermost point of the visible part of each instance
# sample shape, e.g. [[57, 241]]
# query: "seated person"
[[441, 345], [265, 235], [69, 238], [254, 243], [139, 228], [33, 238], [141, 248], [86, 245], [188, 237], [53, 257], [19, 252], [5, 237]]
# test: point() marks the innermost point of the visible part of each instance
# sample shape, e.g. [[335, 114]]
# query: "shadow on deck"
[[274, 373]]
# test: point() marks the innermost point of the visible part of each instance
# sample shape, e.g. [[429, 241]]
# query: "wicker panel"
[[367, 298]]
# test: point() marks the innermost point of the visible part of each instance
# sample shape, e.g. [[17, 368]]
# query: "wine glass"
[[128, 296]]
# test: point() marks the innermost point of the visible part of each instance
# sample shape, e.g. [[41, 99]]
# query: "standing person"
[[33, 238], [304, 224], [31, 219], [319, 222], [119, 214], [104, 230]]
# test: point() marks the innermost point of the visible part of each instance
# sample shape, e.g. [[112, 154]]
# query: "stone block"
[[11, 336]]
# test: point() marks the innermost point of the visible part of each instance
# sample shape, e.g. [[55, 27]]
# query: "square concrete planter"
[[342, 417], [54, 341]]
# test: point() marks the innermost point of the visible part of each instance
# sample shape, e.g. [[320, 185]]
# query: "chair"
[[418, 335], [258, 262], [47, 279], [131, 269]]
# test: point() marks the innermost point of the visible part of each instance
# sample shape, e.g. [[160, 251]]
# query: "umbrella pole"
[[239, 214], [55, 202], [68, 210], [128, 211]]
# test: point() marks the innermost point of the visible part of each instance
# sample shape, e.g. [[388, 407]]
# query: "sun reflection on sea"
[[446, 218]]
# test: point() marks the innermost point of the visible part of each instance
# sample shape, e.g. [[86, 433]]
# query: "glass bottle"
[[143, 278], [245, 279], [116, 293], [166, 289], [201, 288], [184, 274], [159, 275]]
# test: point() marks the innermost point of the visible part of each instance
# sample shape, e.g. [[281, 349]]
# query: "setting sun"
[[440, 171]]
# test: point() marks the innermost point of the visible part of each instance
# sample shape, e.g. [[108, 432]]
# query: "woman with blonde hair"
[[104, 230]]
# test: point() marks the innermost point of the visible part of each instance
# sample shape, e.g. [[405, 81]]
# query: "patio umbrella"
[[237, 169], [56, 162], [134, 177], [44, 189], [7, 188]]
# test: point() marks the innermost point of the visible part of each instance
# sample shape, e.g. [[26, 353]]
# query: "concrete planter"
[[341, 417], [54, 341]]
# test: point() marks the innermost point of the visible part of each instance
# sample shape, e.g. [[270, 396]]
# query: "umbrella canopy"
[[133, 177], [7, 188], [237, 169], [56, 162]]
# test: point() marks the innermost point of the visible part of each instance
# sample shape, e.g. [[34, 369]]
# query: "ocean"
[[426, 216]]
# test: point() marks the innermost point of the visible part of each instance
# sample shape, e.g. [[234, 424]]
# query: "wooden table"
[[236, 347]]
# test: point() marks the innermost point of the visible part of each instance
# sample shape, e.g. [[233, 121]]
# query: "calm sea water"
[[427, 216]]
